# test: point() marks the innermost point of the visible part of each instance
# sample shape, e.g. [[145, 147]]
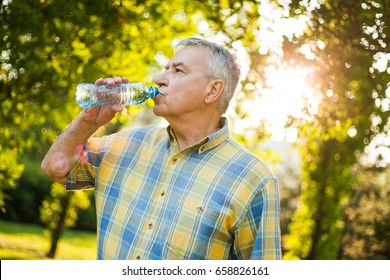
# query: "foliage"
[[51, 206], [348, 119], [87, 217], [32, 188], [367, 236], [10, 171]]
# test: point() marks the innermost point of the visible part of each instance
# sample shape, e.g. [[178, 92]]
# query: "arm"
[[268, 239], [258, 236], [62, 155]]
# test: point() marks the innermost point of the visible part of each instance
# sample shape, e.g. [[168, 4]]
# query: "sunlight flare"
[[287, 93]]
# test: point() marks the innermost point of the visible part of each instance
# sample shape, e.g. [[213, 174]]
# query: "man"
[[183, 192]]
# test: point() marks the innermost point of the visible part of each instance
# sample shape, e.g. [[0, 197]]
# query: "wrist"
[[83, 127]]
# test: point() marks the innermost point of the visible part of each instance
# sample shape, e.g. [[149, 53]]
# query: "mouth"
[[158, 96]]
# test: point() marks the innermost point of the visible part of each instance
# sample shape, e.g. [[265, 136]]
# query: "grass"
[[32, 242]]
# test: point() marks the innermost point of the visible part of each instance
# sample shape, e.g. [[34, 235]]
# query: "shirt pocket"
[[194, 230]]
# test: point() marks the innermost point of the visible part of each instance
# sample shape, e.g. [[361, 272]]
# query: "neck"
[[187, 133]]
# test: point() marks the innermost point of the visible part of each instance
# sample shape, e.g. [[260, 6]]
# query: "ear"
[[214, 91]]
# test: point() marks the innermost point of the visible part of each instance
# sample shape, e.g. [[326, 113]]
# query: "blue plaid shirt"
[[213, 200]]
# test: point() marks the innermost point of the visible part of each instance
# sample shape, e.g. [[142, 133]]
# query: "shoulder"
[[252, 178], [251, 173]]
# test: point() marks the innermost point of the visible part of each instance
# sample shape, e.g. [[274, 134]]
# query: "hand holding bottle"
[[100, 115], [121, 92], [65, 151]]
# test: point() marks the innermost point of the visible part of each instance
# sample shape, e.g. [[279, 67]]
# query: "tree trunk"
[[319, 213], [57, 232]]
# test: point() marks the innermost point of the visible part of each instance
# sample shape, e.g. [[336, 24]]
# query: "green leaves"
[[52, 206], [350, 33]]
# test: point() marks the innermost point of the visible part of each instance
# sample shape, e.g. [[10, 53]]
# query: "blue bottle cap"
[[153, 92]]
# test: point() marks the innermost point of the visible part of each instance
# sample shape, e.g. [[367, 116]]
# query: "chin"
[[157, 111]]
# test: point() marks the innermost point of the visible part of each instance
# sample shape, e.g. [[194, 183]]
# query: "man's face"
[[183, 85]]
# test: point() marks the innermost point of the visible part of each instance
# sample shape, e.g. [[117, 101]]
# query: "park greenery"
[[20, 241], [337, 209]]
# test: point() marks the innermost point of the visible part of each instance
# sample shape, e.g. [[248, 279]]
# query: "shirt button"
[[162, 193], [201, 149], [174, 160], [138, 258], [150, 226]]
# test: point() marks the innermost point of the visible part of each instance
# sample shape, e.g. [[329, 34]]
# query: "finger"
[[99, 81], [117, 108], [125, 80], [118, 80], [110, 81]]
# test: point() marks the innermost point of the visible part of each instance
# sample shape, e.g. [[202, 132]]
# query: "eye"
[[178, 70]]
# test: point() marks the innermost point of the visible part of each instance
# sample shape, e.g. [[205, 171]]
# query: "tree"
[[59, 211], [346, 39]]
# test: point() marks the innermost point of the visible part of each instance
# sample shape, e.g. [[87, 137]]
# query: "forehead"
[[191, 56]]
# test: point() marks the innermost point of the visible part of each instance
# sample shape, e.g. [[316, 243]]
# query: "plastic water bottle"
[[89, 95]]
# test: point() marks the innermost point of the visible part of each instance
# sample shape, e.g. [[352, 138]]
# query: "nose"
[[161, 80]]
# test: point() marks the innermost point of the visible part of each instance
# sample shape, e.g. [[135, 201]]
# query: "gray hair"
[[222, 65]]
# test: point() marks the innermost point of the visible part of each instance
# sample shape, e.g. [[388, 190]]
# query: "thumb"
[[117, 108]]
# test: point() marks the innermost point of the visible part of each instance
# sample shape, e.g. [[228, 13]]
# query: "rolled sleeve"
[[82, 175]]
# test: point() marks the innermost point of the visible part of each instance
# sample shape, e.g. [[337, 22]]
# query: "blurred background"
[[314, 102]]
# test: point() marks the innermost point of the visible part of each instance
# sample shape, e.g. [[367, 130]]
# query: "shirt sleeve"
[[258, 236], [82, 175]]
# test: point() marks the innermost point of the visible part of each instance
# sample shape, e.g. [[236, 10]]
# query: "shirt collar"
[[208, 142]]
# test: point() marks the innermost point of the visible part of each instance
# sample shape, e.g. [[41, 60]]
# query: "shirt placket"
[[153, 220]]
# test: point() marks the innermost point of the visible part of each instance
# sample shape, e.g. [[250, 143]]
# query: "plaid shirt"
[[214, 200]]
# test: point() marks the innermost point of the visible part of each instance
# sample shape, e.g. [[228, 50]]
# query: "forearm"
[[63, 154]]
